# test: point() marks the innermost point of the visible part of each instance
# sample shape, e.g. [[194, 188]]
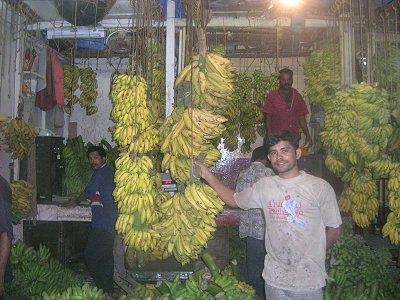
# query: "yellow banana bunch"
[[391, 228], [134, 193], [211, 81], [3, 119], [134, 129], [21, 199], [186, 223], [357, 132], [71, 75], [18, 135]]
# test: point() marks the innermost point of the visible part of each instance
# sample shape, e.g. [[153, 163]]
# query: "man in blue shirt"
[[99, 248], [6, 233]]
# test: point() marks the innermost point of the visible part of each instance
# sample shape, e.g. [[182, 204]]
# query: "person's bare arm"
[[304, 127], [332, 235], [225, 193], [5, 248]]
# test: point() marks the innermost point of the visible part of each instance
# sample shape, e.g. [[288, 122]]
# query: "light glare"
[[290, 3]]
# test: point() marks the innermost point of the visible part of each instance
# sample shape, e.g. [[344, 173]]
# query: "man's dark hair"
[[282, 135], [286, 71], [259, 153], [97, 149]]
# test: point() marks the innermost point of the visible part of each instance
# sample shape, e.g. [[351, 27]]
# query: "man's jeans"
[[274, 293], [255, 264]]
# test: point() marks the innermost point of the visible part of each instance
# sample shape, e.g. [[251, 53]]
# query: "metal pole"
[[170, 58]]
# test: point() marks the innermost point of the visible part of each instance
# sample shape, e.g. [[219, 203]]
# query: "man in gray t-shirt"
[[302, 220]]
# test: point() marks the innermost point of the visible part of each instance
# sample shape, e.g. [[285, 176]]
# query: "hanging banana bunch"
[[88, 87], [135, 189], [322, 75], [392, 227], [18, 135], [71, 78], [211, 82], [187, 220], [357, 132]]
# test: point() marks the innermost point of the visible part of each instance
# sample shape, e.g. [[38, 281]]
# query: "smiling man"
[[302, 220]]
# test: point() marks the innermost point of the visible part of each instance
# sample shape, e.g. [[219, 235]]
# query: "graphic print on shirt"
[[287, 211], [290, 207]]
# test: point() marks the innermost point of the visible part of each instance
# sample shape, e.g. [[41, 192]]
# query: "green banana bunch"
[[18, 135], [21, 200], [245, 116], [356, 271], [77, 171], [35, 272], [88, 88], [85, 292]]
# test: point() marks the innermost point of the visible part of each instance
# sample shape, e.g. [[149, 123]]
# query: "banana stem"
[[211, 265]]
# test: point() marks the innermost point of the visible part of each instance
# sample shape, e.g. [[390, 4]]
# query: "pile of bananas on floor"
[[357, 271], [206, 283]]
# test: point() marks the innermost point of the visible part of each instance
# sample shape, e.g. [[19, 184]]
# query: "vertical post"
[[170, 58], [370, 41], [181, 45], [346, 53], [17, 38]]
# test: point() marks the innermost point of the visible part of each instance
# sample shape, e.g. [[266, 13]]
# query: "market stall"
[[159, 85]]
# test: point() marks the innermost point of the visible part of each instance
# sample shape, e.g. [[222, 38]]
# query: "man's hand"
[[225, 193], [204, 172]]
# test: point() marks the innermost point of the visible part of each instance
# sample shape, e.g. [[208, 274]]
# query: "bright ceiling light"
[[289, 3]]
